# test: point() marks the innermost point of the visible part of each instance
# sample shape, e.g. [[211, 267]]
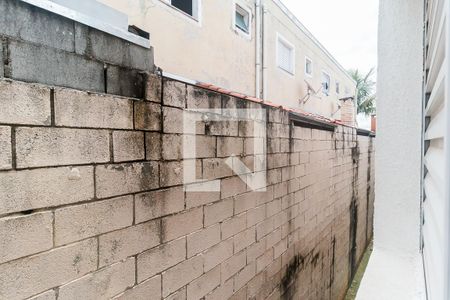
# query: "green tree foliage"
[[365, 91]]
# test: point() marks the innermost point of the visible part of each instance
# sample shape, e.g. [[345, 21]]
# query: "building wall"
[[93, 205], [214, 52]]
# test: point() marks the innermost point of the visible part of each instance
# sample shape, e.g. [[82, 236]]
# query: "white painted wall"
[[395, 269]]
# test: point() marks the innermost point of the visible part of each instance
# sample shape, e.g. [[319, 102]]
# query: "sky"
[[347, 28]]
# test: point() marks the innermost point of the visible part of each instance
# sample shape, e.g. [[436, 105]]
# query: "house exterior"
[[254, 47], [412, 205]]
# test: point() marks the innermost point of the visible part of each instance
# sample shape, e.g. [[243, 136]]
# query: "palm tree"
[[365, 96]]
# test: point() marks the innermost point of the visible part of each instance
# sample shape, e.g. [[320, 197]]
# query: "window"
[[338, 88], [242, 19], [189, 7], [326, 82], [308, 67], [285, 55]]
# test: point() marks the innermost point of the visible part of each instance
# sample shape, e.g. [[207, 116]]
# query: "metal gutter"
[[365, 132], [90, 21]]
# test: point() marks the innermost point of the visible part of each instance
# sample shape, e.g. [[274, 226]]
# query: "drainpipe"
[[258, 49], [264, 51]]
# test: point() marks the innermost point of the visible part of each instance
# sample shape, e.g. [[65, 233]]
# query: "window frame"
[[282, 40], [312, 68], [196, 10], [327, 93], [239, 6]]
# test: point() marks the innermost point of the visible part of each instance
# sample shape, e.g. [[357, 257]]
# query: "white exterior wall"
[[395, 270]]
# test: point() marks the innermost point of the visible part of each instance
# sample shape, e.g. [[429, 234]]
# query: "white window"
[[285, 55], [242, 19], [338, 88], [326, 83], [308, 67], [189, 7]]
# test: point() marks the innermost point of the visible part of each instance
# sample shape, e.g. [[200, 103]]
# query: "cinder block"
[[233, 225], [244, 276], [230, 146], [202, 240], [218, 254], [244, 239], [38, 146], [120, 179], [153, 145], [198, 98], [172, 146], [223, 128], [171, 173], [181, 274], [218, 212], [232, 186], [233, 265], [24, 235], [81, 109], [5, 148], [172, 120], [153, 90], [2, 69], [128, 146], [37, 63], [201, 286], [194, 199], [181, 224], [125, 81], [23, 21], [31, 275], [245, 202], [160, 258], [174, 93], [82, 221], [159, 203], [150, 287], [121, 244], [147, 116], [102, 284], [205, 146], [31, 189], [263, 261], [24, 103], [225, 291], [256, 215], [111, 49], [214, 168]]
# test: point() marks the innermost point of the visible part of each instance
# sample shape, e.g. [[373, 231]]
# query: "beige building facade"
[[254, 47]]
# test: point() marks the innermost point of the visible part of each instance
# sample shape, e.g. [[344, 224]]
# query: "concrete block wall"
[[39, 46], [93, 205]]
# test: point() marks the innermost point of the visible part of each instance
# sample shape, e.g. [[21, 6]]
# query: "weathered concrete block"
[[142, 291], [174, 93], [128, 145], [232, 265], [181, 224], [31, 189], [172, 120], [180, 275], [5, 148], [218, 212], [81, 109], [224, 291], [218, 254], [172, 146], [105, 283], [38, 147], [31, 275], [232, 186], [244, 276], [171, 173], [194, 199], [125, 81], [214, 168], [23, 21], [2, 68], [24, 235], [153, 145], [201, 286], [161, 258], [228, 146], [31, 63], [121, 244], [147, 116], [111, 49], [153, 89], [24, 103], [82, 221], [224, 128], [198, 98], [120, 179], [202, 240], [159, 203]]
